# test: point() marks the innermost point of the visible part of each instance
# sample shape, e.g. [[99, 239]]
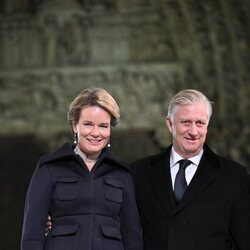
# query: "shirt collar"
[[174, 158]]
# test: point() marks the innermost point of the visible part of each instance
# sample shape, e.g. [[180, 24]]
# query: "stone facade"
[[142, 51]]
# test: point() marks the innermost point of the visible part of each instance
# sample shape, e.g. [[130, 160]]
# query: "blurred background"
[[142, 52]]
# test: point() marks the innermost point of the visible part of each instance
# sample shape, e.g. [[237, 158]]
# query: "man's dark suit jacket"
[[214, 213]]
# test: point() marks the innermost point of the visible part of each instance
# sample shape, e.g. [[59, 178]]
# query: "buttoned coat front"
[[214, 213], [90, 210]]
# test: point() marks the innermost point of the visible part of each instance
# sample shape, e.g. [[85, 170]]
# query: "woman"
[[86, 190]]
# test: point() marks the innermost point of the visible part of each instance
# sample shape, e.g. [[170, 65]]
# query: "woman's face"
[[93, 129]]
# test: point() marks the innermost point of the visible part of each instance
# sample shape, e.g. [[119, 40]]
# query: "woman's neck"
[[88, 159]]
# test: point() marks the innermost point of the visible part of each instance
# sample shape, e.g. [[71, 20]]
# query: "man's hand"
[[48, 225]]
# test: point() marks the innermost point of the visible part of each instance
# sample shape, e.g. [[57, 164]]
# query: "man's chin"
[[193, 150]]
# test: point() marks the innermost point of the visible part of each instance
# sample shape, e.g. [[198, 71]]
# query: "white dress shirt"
[[189, 171]]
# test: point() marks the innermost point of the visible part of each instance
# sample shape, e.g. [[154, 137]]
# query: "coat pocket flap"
[[64, 230], [68, 179], [111, 232], [113, 182]]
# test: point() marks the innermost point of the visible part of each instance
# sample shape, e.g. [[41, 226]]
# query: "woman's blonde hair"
[[93, 97]]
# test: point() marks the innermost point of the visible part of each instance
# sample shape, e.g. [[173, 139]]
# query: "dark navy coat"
[[90, 210]]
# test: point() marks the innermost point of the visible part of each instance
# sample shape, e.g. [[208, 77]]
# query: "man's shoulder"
[[224, 163], [232, 165], [146, 160], [141, 166], [149, 161]]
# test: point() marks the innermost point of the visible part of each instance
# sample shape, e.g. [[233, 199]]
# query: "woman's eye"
[[87, 124], [104, 126]]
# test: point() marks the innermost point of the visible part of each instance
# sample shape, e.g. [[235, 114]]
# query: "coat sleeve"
[[240, 214], [36, 210], [130, 220]]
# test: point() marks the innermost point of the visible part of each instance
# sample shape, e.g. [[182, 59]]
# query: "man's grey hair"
[[188, 96]]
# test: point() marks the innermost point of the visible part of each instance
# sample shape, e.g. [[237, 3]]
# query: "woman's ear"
[[74, 129]]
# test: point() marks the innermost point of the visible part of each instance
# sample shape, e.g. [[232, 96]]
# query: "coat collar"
[[160, 177], [64, 152], [207, 171], [67, 151]]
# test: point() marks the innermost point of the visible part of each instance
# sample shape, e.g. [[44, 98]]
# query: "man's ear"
[[169, 124]]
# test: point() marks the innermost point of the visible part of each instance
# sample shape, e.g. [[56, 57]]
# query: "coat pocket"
[[67, 188], [60, 230], [113, 190], [111, 238], [64, 237]]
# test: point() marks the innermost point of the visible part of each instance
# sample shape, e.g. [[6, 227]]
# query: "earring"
[[75, 138], [109, 144]]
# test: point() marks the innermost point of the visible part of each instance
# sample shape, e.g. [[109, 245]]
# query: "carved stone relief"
[[39, 101], [141, 51]]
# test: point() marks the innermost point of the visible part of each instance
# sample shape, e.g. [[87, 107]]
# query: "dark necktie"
[[180, 183]]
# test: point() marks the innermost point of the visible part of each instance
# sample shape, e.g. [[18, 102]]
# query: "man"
[[213, 212]]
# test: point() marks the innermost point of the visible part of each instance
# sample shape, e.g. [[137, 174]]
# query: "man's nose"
[[193, 129]]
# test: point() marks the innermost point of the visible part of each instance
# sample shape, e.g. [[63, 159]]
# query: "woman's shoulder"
[[65, 151]]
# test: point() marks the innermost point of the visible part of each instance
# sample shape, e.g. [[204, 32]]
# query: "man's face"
[[189, 129]]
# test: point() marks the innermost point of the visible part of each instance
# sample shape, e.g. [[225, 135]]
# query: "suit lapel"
[[160, 178], [207, 171]]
